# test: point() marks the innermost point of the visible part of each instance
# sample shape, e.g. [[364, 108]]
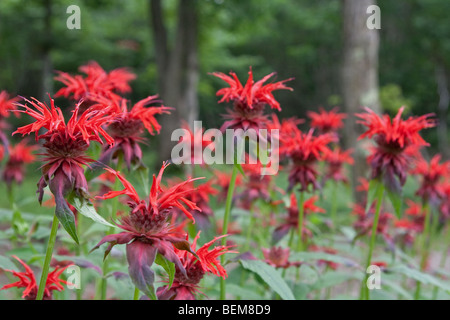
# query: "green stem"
[[48, 258], [365, 292], [301, 214], [114, 208], [334, 204], [425, 244], [249, 230], [136, 293], [226, 218]]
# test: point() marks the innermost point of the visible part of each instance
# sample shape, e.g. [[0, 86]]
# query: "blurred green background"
[[295, 38]]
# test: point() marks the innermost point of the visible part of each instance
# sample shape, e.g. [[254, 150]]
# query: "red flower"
[[249, 100], [431, 174], [127, 126], [147, 228], [19, 155], [396, 141], [65, 151], [7, 104], [201, 197], [305, 150], [196, 142], [255, 186], [335, 160], [327, 121], [278, 257], [364, 223], [27, 280], [222, 179], [291, 220], [331, 264], [96, 82], [186, 284]]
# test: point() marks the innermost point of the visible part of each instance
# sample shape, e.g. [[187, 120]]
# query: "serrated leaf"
[[270, 276], [86, 208], [168, 266]]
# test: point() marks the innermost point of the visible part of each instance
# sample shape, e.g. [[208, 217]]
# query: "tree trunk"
[[359, 75], [177, 68], [444, 101]]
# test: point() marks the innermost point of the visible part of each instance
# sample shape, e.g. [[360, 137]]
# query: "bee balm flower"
[[396, 141], [249, 100], [147, 229], [65, 146], [27, 280], [186, 285]]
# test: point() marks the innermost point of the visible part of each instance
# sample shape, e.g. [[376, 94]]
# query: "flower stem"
[[114, 208], [365, 292], [425, 244], [136, 293], [301, 213], [334, 204], [226, 218], [48, 258]]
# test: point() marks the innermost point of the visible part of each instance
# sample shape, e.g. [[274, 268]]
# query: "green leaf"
[[397, 201], [5, 263], [420, 277], [270, 276], [168, 266], [19, 224], [86, 208], [67, 220]]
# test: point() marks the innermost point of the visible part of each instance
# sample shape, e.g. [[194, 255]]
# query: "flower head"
[[27, 280], [304, 150], [291, 219], [65, 146], [96, 82], [431, 174], [278, 257], [336, 159], [249, 100], [148, 228], [186, 285], [7, 105], [127, 126], [327, 121], [19, 155], [396, 141]]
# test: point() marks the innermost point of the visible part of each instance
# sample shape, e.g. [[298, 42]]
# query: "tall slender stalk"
[[365, 292], [48, 258], [425, 244], [114, 208], [226, 219], [301, 214]]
